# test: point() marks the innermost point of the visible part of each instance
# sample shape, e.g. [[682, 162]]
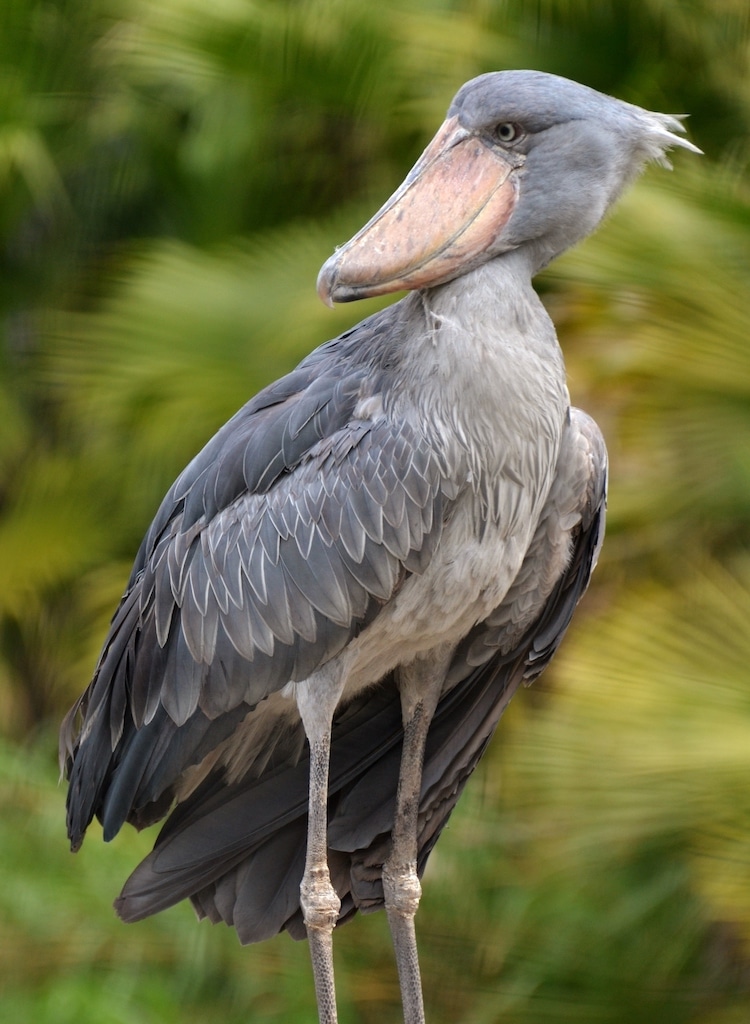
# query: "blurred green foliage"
[[173, 173]]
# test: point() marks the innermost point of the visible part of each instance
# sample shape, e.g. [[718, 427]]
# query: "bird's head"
[[524, 161]]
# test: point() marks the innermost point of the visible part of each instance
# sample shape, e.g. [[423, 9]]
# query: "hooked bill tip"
[[327, 281]]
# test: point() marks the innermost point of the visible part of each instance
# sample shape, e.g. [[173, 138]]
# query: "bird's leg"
[[420, 686], [317, 698]]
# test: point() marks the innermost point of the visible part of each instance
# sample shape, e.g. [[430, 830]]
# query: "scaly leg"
[[420, 685], [317, 699]]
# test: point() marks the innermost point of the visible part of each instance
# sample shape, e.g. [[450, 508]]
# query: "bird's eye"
[[507, 131]]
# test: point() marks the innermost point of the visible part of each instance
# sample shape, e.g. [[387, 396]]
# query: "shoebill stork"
[[341, 593]]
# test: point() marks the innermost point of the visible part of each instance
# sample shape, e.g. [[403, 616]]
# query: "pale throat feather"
[[505, 421]]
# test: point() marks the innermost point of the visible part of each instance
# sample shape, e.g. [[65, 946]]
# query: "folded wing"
[[237, 850], [275, 547]]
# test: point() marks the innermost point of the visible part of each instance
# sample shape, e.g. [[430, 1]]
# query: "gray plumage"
[[416, 497]]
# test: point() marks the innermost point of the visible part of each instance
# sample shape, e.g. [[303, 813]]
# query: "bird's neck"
[[480, 368], [483, 342]]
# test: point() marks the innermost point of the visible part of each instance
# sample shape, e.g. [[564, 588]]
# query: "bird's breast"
[[484, 380], [486, 533]]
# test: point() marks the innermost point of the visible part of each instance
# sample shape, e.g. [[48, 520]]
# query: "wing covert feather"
[[212, 847], [268, 554]]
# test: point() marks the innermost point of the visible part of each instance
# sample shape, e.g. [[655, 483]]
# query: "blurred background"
[[172, 175]]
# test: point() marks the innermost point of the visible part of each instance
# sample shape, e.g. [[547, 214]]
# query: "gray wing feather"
[[576, 507], [269, 553], [213, 846]]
